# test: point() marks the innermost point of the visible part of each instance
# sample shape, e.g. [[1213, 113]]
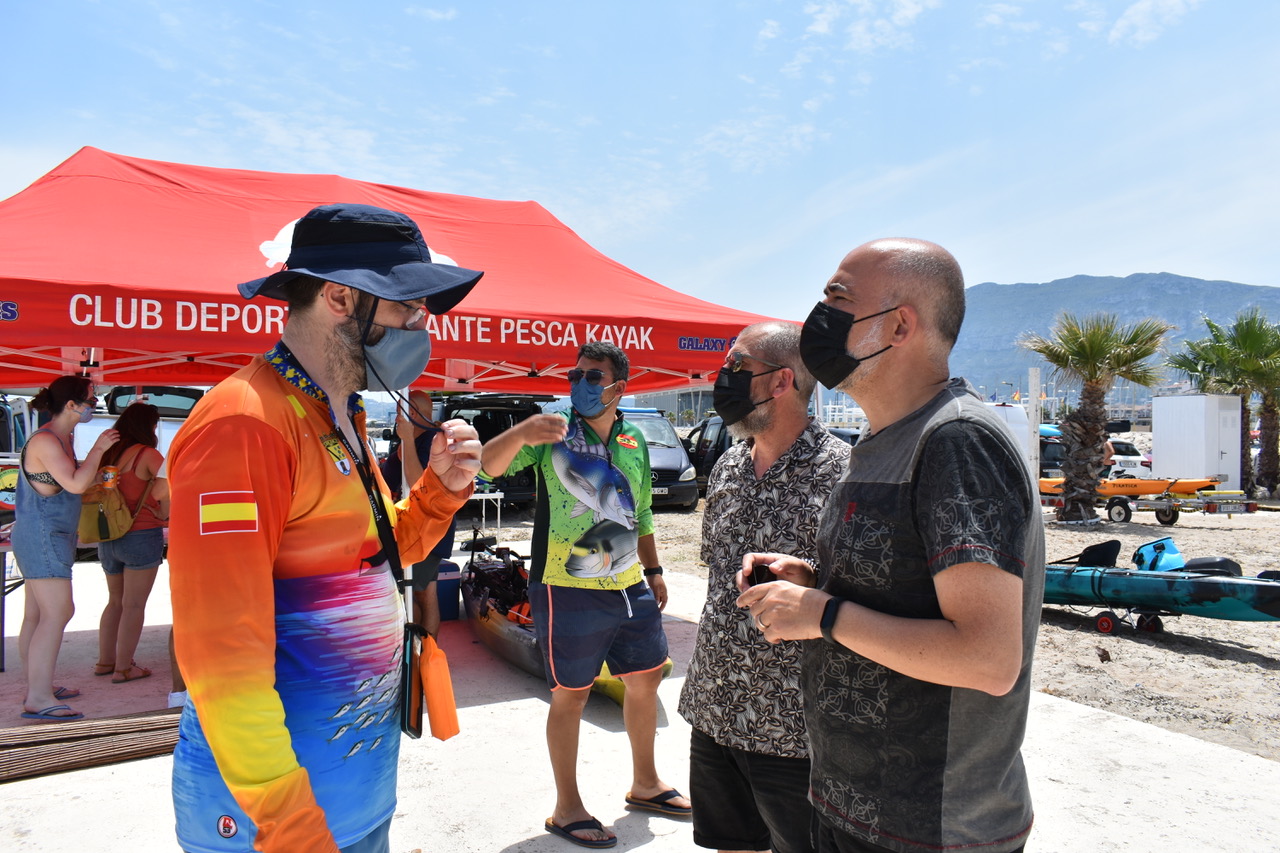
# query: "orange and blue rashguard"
[[287, 621]]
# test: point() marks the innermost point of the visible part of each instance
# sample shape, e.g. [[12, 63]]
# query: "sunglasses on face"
[[593, 376], [92, 402], [735, 365]]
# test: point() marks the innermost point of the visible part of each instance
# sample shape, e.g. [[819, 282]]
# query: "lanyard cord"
[[383, 524]]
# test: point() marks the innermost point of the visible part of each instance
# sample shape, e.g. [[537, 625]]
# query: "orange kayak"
[[1134, 487]]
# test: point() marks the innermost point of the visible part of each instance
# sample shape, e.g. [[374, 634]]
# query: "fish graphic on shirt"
[[588, 475]]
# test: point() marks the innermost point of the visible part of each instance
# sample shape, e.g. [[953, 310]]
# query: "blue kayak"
[[1188, 593]]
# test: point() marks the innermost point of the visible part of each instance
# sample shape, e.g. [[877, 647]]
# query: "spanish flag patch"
[[228, 512], [627, 441]]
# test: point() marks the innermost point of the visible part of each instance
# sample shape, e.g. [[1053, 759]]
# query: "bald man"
[[927, 603], [415, 430]]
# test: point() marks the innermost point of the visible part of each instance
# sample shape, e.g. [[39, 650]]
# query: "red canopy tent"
[[127, 268]]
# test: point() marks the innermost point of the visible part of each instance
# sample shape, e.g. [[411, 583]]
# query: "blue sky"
[[731, 150]]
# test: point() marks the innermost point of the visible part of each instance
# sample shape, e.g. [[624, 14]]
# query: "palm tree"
[[1242, 359], [1094, 351]]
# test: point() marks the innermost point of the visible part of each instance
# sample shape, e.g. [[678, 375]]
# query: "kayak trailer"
[[1168, 507]]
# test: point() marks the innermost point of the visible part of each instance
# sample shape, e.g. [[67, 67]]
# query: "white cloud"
[[823, 15], [432, 14], [1145, 20], [751, 145], [770, 30], [885, 25], [499, 93]]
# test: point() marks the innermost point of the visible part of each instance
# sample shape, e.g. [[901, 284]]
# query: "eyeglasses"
[[92, 402], [735, 365], [419, 308], [593, 376]]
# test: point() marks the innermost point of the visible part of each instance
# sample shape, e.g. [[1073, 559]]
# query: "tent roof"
[[128, 267]]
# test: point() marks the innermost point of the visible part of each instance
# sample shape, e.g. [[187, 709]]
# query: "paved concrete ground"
[[1100, 782]]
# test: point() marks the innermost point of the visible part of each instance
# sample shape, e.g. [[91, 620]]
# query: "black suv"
[[492, 414]]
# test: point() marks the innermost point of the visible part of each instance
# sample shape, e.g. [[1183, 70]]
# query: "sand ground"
[[1203, 777]]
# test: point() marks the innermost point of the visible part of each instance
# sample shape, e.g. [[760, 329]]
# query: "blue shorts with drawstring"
[[580, 629]]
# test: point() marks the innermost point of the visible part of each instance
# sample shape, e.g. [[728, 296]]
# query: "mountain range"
[[997, 315]]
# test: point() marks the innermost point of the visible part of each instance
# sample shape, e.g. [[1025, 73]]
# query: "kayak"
[[1211, 596], [1211, 587], [1134, 486], [510, 634]]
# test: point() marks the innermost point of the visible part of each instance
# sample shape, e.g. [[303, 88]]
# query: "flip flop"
[[103, 668], [47, 714], [123, 675], [66, 693], [566, 832], [660, 803]]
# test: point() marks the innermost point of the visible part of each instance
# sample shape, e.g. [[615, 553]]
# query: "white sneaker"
[[177, 700]]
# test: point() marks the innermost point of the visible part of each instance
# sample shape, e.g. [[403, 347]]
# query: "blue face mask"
[[396, 360], [87, 414], [588, 399]]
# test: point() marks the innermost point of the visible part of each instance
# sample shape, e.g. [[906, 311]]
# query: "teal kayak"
[[1188, 593]]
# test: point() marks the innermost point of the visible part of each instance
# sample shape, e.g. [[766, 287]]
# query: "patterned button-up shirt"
[[740, 690]]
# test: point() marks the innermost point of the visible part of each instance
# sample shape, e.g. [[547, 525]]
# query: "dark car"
[[709, 440], [491, 415], [705, 444], [674, 478], [848, 435]]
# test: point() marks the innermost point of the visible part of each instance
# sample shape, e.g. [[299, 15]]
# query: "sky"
[[734, 151]]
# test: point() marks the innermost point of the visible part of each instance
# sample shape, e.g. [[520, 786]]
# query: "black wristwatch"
[[828, 622], [656, 570]]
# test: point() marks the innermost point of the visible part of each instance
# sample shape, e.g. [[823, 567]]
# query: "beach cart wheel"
[[1167, 516], [1106, 622], [1150, 623], [1118, 510]]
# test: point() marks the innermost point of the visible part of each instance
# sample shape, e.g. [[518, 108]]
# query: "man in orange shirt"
[[288, 624]]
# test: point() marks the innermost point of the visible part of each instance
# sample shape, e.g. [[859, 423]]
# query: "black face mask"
[[822, 343], [731, 394]]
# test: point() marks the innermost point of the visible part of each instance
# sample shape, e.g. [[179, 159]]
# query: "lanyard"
[[390, 550]]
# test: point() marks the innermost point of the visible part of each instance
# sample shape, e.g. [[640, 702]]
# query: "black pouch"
[[411, 682]]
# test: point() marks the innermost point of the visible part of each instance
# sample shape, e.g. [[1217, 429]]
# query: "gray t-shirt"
[[907, 764]]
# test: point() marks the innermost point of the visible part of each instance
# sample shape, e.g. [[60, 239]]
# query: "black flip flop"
[[566, 832], [660, 803]]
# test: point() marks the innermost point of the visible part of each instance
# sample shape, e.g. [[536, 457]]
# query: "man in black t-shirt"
[[923, 618]]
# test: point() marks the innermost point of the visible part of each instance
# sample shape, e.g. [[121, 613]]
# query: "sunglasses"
[[593, 376], [92, 402], [735, 365]]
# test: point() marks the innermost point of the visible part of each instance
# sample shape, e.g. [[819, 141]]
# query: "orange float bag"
[[437, 687]]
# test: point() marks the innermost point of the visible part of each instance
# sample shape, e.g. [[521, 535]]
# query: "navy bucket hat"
[[371, 249]]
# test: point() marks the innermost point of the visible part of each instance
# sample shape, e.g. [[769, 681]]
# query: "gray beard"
[[760, 420]]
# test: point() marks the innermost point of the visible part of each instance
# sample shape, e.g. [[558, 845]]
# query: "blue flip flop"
[[66, 693], [660, 803], [47, 714]]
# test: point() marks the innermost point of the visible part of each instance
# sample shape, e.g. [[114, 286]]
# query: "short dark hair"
[[605, 351]]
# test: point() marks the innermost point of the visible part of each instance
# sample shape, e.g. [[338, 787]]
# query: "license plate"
[[1128, 464], [659, 490]]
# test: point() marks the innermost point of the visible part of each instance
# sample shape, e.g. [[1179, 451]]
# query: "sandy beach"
[[1211, 679], [1208, 687]]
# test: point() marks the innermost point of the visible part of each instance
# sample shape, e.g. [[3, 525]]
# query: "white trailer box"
[[1197, 435]]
